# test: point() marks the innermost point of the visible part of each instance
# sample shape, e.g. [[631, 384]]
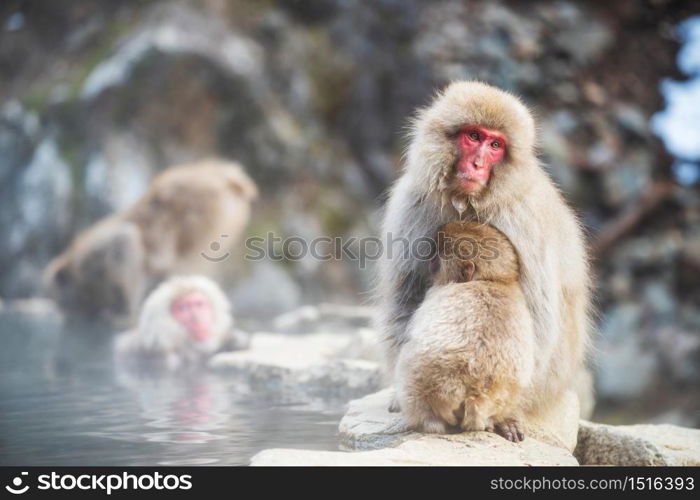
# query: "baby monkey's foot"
[[508, 429]]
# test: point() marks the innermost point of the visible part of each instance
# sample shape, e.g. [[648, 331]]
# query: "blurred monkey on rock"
[[183, 322], [188, 212], [472, 157]]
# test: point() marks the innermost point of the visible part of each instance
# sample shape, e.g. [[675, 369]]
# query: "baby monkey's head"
[[469, 251]]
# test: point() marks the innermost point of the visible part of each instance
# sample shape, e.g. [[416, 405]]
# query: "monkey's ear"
[[468, 271], [242, 185]]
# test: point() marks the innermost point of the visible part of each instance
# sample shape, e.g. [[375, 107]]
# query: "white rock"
[[383, 436], [293, 318], [384, 439], [34, 306], [311, 318], [365, 313], [310, 361], [473, 448], [637, 445], [364, 345], [369, 425]]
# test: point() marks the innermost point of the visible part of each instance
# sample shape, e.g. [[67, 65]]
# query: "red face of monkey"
[[481, 150], [194, 311]]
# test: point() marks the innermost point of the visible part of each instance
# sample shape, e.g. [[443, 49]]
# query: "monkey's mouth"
[[468, 184], [199, 334]]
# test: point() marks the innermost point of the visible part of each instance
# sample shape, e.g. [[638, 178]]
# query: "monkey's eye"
[[474, 136], [496, 145]]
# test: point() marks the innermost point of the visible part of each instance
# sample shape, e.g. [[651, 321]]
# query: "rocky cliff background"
[[312, 96]]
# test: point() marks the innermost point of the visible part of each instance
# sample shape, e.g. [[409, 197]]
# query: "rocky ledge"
[[479, 448], [369, 425], [637, 445], [370, 435], [384, 440], [327, 364]]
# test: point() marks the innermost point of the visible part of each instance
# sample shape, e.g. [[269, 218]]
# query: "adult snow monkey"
[[108, 268], [472, 157]]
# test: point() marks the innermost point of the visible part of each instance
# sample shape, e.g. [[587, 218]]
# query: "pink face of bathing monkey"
[[194, 311]]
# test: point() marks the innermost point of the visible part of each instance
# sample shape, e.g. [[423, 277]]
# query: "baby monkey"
[[469, 358]]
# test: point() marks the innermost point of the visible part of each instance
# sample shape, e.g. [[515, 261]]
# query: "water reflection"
[[64, 403], [182, 409]]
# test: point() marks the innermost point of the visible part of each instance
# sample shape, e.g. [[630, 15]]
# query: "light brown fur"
[[521, 201], [469, 358], [107, 269]]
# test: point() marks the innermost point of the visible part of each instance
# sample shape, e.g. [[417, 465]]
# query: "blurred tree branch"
[[629, 219]]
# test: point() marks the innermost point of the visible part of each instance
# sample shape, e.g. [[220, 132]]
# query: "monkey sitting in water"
[[183, 322], [470, 350]]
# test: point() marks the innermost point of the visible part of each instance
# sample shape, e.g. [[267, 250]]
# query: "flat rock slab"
[[314, 362], [369, 425], [637, 445], [473, 448], [385, 440]]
